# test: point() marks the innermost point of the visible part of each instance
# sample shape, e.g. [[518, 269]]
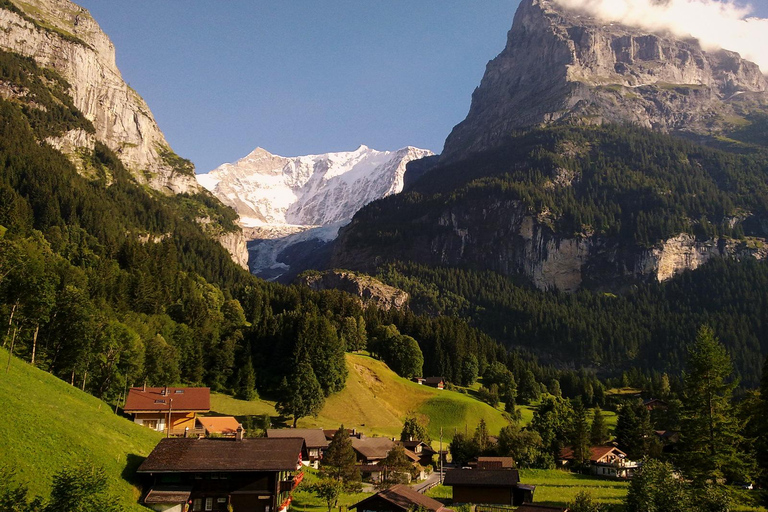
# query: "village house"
[[167, 409], [370, 451], [218, 425], [494, 463], [425, 454], [418, 380], [241, 475], [399, 498], [314, 438], [488, 486], [606, 461], [656, 404], [435, 382]]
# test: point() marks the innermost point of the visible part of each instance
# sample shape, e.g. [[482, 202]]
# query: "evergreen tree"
[[339, 459], [246, 381], [528, 390], [413, 430], [397, 467], [584, 502], [482, 438], [469, 370], [301, 395], [762, 420], [579, 435], [81, 488], [598, 434], [552, 421], [634, 432], [710, 434], [655, 488], [462, 449]]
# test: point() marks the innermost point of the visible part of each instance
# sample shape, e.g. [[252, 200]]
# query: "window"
[[221, 500], [208, 503], [197, 504], [179, 391], [151, 424]]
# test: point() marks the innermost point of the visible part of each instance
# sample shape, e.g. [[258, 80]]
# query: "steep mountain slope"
[[559, 172], [283, 201], [566, 66], [59, 35], [48, 424]]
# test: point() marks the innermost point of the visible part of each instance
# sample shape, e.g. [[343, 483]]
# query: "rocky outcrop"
[[564, 66], [63, 36], [234, 242], [370, 290], [504, 236]]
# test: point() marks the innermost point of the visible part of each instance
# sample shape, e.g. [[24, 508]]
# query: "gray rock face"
[[78, 49], [368, 289], [504, 236], [564, 66]]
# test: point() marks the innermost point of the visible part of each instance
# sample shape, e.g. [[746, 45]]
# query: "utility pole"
[[170, 408], [441, 456]]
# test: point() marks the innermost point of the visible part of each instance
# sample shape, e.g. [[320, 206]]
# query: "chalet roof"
[[314, 437], [219, 424], [530, 507], [411, 445], [495, 463], [434, 380], [372, 447], [411, 455], [596, 453], [186, 455], [168, 495], [159, 399], [404, 498], [482, 477], [329, 433]]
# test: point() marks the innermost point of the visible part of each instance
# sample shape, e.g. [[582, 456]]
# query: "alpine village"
[[565, 310]]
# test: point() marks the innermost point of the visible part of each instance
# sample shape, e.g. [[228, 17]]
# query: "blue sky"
[[298, 77]]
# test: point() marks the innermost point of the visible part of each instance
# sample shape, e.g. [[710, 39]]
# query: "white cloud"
[[716, 24]]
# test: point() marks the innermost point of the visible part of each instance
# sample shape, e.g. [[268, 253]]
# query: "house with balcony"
[[607, 461], [241, 475], [168, 409]]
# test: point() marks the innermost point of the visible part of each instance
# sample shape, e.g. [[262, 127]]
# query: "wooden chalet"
[[167, 409], [314, 438], [242, 475], [656, 404], [418, 380], [218, 425], [398, 498], [488, 486], [435, 382], [425, 454], [495, 463], [606, 461]]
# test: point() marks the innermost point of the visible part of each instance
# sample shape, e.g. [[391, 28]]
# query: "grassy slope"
[[47, 423], [375, 400]]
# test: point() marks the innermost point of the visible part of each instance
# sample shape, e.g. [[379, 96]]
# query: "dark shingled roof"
[[159, 399], [314, 437], [168, 495], [482, 477], [185, 455], [405, 498], [373, 447]]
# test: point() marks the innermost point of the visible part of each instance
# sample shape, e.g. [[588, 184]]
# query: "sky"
[[303, 77]]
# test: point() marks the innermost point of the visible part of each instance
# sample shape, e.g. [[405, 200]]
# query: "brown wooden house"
[[435, 382], [606, 461], [424, 452], [167, 409], [248, 475], [398, 498], [314, 438], [495, 463], [488, 486]]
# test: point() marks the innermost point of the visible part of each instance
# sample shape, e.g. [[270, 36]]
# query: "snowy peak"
[[311, 190]]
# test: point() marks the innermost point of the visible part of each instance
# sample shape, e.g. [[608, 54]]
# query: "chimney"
[[240, 432], [186, 431], [145, 386], [164, 391]]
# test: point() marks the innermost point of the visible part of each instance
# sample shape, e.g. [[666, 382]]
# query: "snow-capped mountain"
[[312, 190], [291, 206]]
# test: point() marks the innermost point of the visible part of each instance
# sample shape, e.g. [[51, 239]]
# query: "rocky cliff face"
[[504, 236], [368, 289], [61, 35], [565, 66]]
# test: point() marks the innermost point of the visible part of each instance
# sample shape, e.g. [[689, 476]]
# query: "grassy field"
[[305, 501], [376, 400], [46, 424]]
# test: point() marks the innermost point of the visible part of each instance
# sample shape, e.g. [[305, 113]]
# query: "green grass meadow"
[[47, 424]]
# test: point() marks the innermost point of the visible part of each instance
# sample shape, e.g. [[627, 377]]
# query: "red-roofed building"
[[167, 409], [605, 461]]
